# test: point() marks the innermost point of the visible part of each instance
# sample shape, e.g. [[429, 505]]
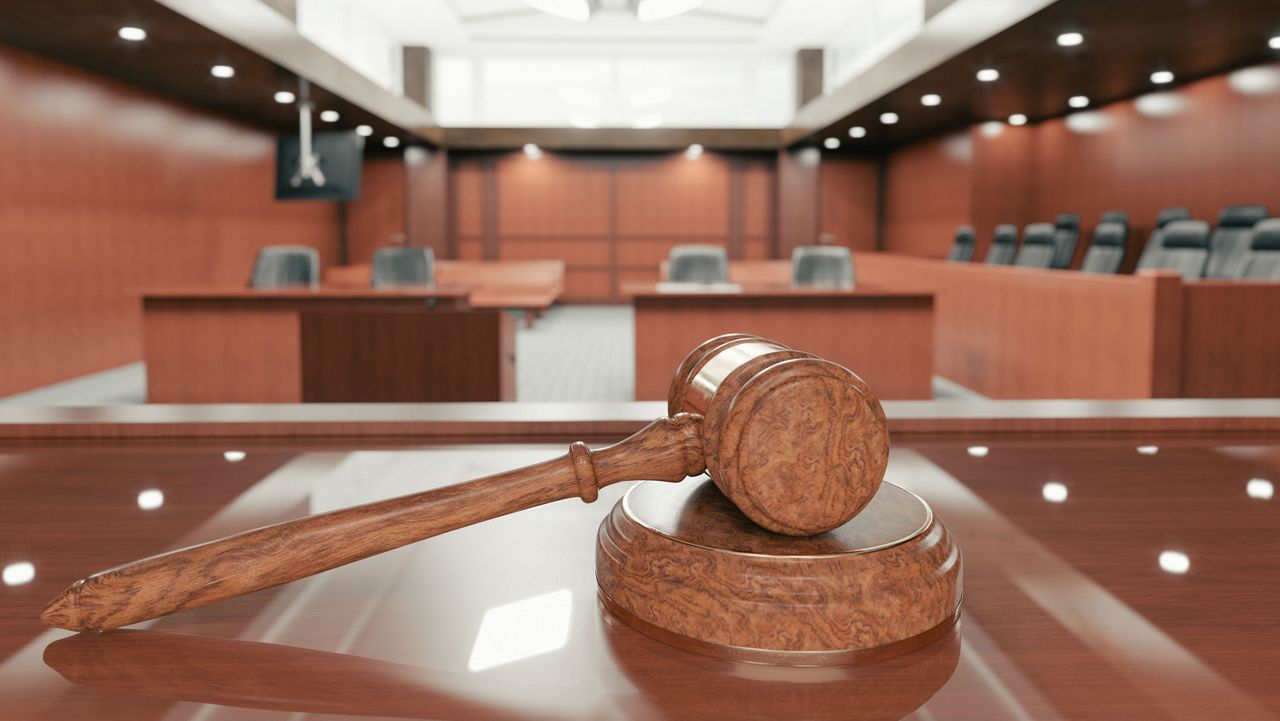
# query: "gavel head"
[[798, 443]]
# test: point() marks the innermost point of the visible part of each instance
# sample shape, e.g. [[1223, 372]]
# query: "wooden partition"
[[1231, 339]]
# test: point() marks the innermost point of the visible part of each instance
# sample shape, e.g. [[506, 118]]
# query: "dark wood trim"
[[612, 139]]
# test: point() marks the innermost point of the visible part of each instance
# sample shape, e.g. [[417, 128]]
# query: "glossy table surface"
[[1067, 613]]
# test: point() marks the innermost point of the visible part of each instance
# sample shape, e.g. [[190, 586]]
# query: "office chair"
[[404, 265], [1106, 252], [1004, 245], [1229, 244], [824, 266], [698, 264], [1066, 235], [1039, 246], [1153, 252], [1264, 252], [1185, 248], [286, 266], [962, 249]]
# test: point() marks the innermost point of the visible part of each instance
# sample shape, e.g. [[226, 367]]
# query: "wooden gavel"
[[798, 443]]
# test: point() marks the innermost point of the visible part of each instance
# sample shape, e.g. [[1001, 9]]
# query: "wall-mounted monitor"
[[339, 155]]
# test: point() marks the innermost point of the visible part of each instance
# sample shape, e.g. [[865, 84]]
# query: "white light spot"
[[988, 75], [979, 451], [391, 141], [151, 499], [1078, 101], [931, 100], [1054, 492], [1070, 40], [1174, 562], [991, 129], [693, 152], [532, 151], [857, 131], [284, 97], [888, 118], [329, 116], [134, 35], [16, 574], [1017, 119], [222, 71], [523, 629], [1162, 77], [364, 131], [831, 143], [1148, 450], [1088, 122], [1259, 488], [234, 456], [1161, 105], [1260, 80]]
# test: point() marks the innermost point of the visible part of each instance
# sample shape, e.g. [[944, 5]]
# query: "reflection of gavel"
[[799, 444]]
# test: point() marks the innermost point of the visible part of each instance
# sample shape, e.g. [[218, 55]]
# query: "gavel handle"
[[667, 450]]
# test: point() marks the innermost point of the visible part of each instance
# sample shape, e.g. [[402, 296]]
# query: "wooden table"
[[241, 345], [886, 337], [1067, 612]]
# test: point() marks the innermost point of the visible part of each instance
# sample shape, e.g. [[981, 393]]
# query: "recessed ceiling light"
[[978, 451], [831, 143], [233, 456], [16, 574], [650, 10], [364, 131], [1054, 492], [1078, 101], [1274, 43], [1069, 40], [693, 152], [284, 97], [391, 141], [931, 100], [533, 151], [1162, 77], [1017, 119], [1174, 562], [888, 118], [1148, 450], [329, 116], [577, 10], [151, 499], [132, 34], [857, 131], [1259, 488], [988, 75], [222, 71]]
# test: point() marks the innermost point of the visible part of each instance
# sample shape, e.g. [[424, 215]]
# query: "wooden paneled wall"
[[610, 218], [380, 213], [1204, 146], [105, 189], [826, 195]]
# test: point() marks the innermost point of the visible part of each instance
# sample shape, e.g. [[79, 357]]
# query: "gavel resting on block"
[[796, 444]]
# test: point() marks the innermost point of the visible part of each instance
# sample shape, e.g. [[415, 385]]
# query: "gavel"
[[798, 443]]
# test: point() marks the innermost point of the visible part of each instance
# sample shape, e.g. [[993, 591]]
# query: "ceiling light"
[[132, 34], [391, 141], [532, 151], [1274, 43], [16, 574], [1174, 562], [1078, 101], [151, 499], [931, 100], [364, 131], [1259, 488], [577, 10], [1017, 119], [1148, 450], [831, 143], [693, 152], [1054, 492], [652, 96], [285, 97], [888, 118], [329, 116], [978, 451], [222, 71], [233, 456], [578, 120], [988, 75], [650, 10], [651, 120], [1162, 77], [857, 131], [1070, 40]]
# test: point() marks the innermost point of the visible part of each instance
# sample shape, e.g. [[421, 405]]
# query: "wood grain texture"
[[378, 217], [107, 188], [799, 181], [897, 364], [667, 449], [927, 194], [848, 198], [1229, 344], [427, 199], [690, 564]]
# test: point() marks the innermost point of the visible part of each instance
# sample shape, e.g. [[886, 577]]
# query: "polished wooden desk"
[[1067, 614], [884, 336], [529, 285], [241, 345]]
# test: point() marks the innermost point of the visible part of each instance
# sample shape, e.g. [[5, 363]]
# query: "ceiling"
[[1124, 42]]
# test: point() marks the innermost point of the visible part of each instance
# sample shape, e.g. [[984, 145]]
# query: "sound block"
[[681, 564]]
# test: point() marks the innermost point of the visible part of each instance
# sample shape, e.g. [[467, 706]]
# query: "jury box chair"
[[698, 264], [822, 266], [404, 265], [286, 266]]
